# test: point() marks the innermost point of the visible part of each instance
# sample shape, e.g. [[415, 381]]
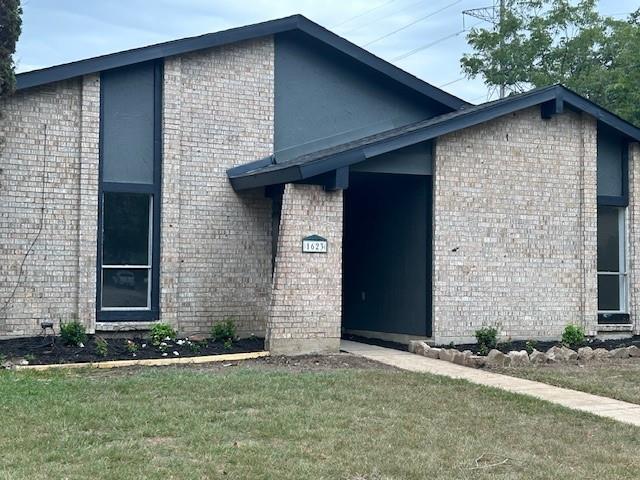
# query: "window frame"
[[152, 312], [623, 264]]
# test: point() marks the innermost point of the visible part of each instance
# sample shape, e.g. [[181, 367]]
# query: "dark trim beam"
[[553, 100], [234, 35]]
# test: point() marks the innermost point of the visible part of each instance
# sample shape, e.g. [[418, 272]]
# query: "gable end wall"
[[515, 227]]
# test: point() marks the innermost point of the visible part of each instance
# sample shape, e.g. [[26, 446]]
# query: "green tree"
[[543, 42], [10, 28]]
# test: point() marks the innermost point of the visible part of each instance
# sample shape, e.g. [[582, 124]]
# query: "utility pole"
[[493, 15]]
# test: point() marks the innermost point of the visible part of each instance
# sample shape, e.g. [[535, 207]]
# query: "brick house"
[[282, 176]]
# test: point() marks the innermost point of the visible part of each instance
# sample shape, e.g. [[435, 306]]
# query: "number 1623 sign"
[[314, 244]]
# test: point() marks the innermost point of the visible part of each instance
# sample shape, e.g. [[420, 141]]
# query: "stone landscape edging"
[[520, 358], [150, 362]]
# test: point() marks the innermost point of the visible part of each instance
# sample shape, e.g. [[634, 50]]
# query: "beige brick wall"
[[48, 199], [306, 304], [216, 244], [634, 236], [515, 227]]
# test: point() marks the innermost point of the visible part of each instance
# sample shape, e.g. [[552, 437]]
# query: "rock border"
[[521, 358]]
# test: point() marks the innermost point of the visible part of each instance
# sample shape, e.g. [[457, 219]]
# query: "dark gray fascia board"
[[247, 167], [272, 27], [556, 93], [151, 52], [604, 116]]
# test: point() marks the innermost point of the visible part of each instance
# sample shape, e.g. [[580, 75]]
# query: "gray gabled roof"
[[272, 27], [553, 98]]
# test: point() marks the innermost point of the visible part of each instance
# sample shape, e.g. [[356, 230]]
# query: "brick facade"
[[634, 236], [216, 244], [306, 304], [515, 227], [515, 216], [48, 200]]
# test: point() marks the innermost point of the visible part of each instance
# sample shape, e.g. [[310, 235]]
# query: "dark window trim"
[[155, 191], [620, 200]]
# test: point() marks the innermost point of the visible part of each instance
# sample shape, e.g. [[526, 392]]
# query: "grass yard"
[[614, 379], [306, 420]]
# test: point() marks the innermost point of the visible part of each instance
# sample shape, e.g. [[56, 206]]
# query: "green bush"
[[573, 336], [131, 346], [102, 347], [487, 338], [160, 332], [224, 331], [73, 333], [530, 346]]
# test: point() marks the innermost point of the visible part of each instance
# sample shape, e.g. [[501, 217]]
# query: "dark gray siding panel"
[[610, 167], [127, 123], [323, 98], [413, 160]]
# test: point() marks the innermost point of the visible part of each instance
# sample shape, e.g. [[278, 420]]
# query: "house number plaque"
[[314, 244]]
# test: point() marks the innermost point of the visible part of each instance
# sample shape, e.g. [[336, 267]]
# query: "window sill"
[[615, 327], [123, 326]]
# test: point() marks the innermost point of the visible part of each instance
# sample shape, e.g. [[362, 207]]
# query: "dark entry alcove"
[[387, 254]]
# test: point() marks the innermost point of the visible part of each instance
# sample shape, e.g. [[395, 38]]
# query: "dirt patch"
[[48, 350], [304, 363]]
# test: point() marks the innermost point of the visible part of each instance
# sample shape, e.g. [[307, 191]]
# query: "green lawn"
[[249, 422], [614, 379]]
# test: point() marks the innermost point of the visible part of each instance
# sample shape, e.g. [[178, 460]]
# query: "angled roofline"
[[272, 27], [552, 100]]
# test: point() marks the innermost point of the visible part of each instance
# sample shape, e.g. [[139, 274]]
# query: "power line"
[[363, 13], [424, 47], [431, 44], [396, 12], [412, 23], [451, 82]]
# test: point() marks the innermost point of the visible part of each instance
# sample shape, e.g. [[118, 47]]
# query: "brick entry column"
[[306, 300]]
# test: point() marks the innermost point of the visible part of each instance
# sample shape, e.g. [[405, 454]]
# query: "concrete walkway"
[[602, 406]]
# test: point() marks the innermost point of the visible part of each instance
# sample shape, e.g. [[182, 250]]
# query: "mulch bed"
[[49, 350]]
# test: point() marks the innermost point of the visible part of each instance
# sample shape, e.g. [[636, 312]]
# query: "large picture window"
[[129, 214], [126, 250], [612, 269]]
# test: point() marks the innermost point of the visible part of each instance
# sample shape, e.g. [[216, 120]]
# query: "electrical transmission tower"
[[493, 15]]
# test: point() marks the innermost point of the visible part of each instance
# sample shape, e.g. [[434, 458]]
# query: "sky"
[[60, 31]]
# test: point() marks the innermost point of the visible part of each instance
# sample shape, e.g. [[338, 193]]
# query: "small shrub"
[[102, 347], [160, 332], [3, 358], [573, 336], [228, 344], [487, 338], [530, 346], [30, 357], [224, 331], [73, 333], [132, 347]]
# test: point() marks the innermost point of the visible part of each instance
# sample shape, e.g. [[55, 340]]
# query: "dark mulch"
[[508, 346], [41, 350]]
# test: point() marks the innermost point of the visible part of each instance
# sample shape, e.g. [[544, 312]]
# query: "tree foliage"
[[10, 28], [543, 42]]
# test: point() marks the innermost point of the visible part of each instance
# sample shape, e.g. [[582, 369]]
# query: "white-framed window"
[[127, 246], [612, 259]]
